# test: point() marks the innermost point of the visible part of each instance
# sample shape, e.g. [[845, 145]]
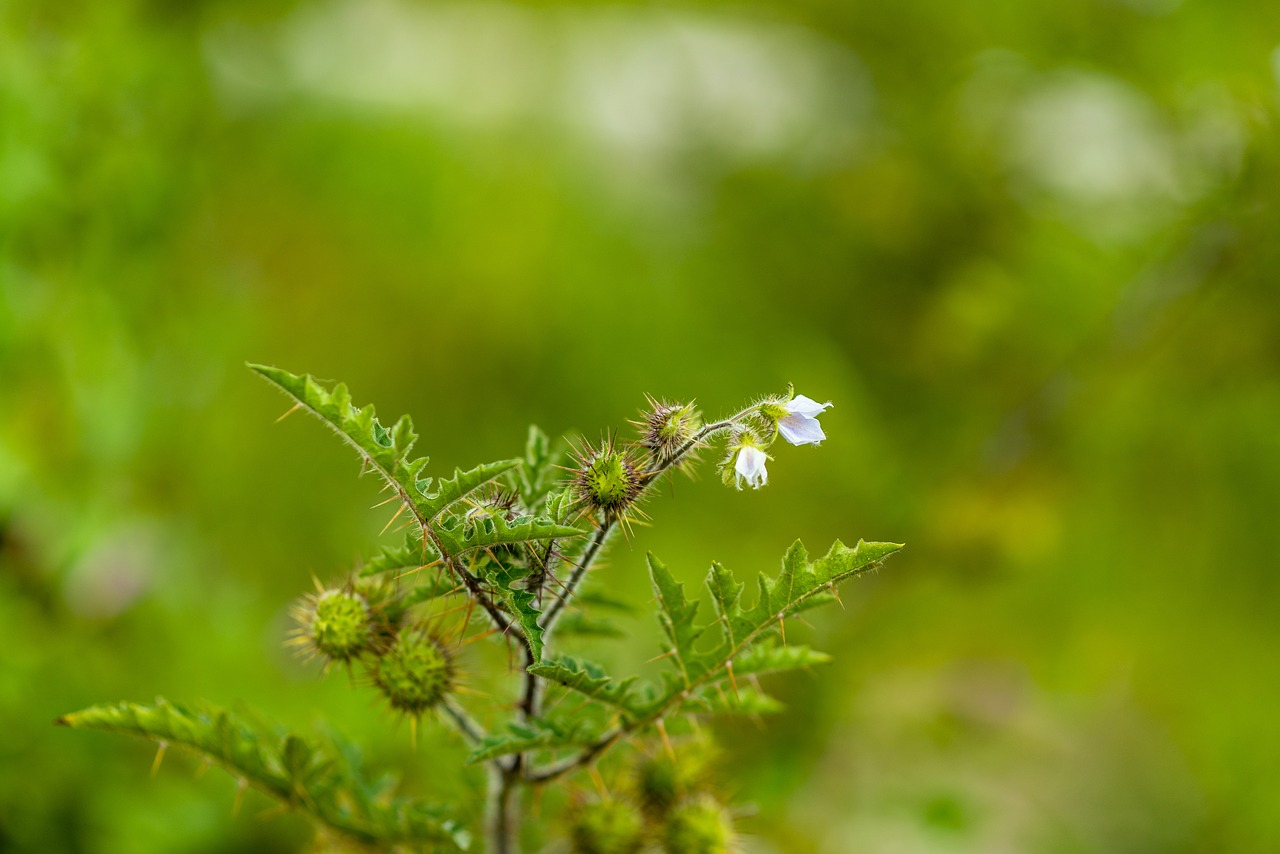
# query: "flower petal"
[[749, 466], [806, 406], [799, 430]]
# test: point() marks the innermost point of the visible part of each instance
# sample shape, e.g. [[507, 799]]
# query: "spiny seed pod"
[[495, 501], [606, 827], [607, 478], [416, 672], [667, 428], [700, 826], [662, 781], [335, 623]]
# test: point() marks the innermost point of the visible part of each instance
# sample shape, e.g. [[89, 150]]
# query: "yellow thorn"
[[599, 781], [832, 588], [292, 410], [241, 785], [666, 740], [160, 749], [392, 520], [782, 626], [733, 681]]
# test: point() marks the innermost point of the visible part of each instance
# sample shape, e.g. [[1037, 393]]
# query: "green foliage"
[[388, 453], [592, 681], [515, 538], [533, 735], [323, 780]]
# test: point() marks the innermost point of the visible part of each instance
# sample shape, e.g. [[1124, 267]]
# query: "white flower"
[[750, 466], [800, 425]]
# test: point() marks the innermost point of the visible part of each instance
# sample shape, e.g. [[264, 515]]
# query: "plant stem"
[[607, 524], [502, 812], [502, 809]]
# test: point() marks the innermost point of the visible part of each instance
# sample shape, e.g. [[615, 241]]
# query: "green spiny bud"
[[335, 624], [608, 479], [416, 672], [661, 781], [700, 826], [606, 827], [667, 428]]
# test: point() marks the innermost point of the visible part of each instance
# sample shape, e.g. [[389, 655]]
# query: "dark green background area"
[[1028, 250]]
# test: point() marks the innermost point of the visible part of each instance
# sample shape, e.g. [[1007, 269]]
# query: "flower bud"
[[606, 827], [661, 781], [700, 826], [336, 624], [608, 479], [416, 672], [667, 428]]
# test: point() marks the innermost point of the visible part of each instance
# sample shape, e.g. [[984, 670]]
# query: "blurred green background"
[[1028, 250]]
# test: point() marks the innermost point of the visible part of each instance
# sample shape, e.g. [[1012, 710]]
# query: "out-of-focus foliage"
[[1027, 249]]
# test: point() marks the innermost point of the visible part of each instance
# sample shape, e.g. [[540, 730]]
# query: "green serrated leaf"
[[407, 557], [493, 531], [386, 451], [522, 604], [676, 614], [723, 701], [538, 734], [433, 496], [771, 657], [321, 779], [592, 681], [745, 632]]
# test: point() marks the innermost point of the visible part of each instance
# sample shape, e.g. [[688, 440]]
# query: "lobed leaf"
[[537, 734], [324, 781], [491, 531], [387, 451], [799, 584], [591, 681]]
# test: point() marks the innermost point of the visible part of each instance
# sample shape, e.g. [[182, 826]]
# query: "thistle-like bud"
[[608, 478], [700, 826], [661, 781], [605, 827], [335, 623], [667, 428], [495, 501], [416, 671]]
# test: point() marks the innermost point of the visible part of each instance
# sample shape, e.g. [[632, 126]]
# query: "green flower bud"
[[606, 827], [416, 672], [608, 479], [667, 428], [662, 781], [336, 624], [701, 826]]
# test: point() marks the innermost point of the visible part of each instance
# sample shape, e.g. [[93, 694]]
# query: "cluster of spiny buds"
[[610, 477], [364, 621], [664, 802]]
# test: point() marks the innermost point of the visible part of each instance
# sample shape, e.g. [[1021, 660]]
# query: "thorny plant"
[[511, 543]]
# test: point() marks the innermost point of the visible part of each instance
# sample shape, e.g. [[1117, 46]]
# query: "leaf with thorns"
[[320, 779]]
